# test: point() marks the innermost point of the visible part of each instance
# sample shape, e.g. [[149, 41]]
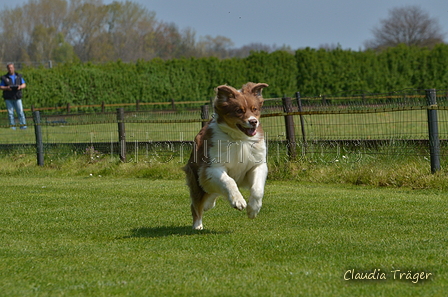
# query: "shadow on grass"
[[169, 231]]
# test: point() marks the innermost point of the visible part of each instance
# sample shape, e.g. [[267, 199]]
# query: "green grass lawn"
[[106, 236]]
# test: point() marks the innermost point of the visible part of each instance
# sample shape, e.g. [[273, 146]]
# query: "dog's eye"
[[239, 111]]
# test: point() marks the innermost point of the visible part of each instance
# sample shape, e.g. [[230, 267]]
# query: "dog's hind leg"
[[197, 212], [198, 206], [197, 197]]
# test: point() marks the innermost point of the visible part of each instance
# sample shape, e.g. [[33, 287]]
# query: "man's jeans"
[[12, 105]]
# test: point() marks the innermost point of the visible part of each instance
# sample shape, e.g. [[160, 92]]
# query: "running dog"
[[229, 152]]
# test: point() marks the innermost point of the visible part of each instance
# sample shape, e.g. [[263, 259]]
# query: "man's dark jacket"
[[14, 94]]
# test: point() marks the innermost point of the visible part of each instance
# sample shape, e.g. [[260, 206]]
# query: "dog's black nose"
[[253, 122]]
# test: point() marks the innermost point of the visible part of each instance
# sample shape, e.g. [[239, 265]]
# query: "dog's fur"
[[229, 152]]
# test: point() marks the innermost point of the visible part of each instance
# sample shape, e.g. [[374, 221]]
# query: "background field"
[[105, 236], [177, 126], [337, 129]]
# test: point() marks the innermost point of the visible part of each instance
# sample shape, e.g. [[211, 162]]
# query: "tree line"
[[65, 31], [88, 30], [312, 72]]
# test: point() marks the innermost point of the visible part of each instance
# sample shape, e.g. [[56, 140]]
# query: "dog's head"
[[240, 109]]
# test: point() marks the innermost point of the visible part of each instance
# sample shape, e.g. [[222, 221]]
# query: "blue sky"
[[296, 23]]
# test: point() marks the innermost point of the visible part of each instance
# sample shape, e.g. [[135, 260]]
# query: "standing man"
[[12, 84]]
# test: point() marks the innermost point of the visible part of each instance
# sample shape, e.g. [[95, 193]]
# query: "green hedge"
[[310, 71], [402, 67]]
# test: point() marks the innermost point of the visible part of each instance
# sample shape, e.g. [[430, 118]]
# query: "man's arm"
[[3, 86]]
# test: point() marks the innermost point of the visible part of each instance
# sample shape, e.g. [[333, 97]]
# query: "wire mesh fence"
[[326, 128]]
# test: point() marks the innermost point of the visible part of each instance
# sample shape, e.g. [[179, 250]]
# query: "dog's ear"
[[224, 93], [256, 89]]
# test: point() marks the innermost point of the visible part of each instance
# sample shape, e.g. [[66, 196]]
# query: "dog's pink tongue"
[[251, 132], [248, 131]]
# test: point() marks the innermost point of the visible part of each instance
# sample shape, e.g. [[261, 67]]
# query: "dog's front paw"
[[253, 208], [239, 204], [252, 213]]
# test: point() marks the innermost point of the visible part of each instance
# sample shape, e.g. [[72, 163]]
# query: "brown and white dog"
[[229, 152]]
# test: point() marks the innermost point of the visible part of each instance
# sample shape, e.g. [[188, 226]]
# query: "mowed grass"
[[109, 236]]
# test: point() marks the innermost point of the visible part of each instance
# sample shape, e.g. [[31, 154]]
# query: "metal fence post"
[[289, 125], [121, 134], [433, 129], [39, 141]]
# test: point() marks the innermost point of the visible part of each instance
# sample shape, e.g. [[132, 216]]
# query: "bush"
[[309, 71]]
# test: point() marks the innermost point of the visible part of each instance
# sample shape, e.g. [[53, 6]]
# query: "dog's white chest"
[[237, 156]]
